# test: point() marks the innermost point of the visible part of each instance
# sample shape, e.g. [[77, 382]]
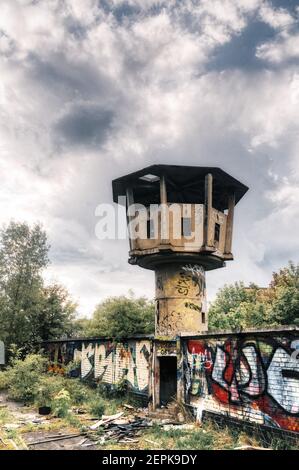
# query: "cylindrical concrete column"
[[180, 299]]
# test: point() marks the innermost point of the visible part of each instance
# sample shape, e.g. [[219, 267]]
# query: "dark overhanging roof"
[[185, 184]]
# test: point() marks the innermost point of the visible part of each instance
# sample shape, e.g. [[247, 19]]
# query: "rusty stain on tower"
[[190, 232]]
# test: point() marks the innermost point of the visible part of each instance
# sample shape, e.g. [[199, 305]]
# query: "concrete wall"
[[252, 376], [105, 361]]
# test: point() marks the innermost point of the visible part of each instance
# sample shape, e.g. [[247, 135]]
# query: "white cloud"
[[282, 49], [276, 17], [86, 97], [285, 45]]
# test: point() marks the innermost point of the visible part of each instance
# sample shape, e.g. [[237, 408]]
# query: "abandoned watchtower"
[[180, 221]]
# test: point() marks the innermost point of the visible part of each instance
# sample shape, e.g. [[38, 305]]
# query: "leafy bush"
[[104, 390], [61, 404], [49, 386], [79, 392], [117, 390], [4, 380], [28, 381], [97, 407], [24, 376], [121, 388], [14, 353], [73, 368]]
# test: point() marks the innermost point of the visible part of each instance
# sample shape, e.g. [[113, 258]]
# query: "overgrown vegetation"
[[238, 307], [22, 379], [28, 381]]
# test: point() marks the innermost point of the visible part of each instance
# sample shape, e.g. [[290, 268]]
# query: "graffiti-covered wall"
[[250, 376], [105, 361]]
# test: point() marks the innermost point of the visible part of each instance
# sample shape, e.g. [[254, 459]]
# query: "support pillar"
[[180, 300]]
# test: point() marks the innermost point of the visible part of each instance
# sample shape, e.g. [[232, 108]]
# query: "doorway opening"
[[168, 379]]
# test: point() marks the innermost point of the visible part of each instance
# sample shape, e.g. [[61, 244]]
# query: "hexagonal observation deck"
[[180, 221]]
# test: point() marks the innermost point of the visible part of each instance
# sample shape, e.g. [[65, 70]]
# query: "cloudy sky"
[[94, 89]]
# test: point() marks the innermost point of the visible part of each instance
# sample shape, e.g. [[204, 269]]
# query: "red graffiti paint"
[[196, 347], [221, 394], [229, 369], [266, 405], [253, 379]]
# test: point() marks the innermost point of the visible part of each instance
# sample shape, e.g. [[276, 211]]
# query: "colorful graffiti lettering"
[[258, 378], [106, 362], [245, 376]]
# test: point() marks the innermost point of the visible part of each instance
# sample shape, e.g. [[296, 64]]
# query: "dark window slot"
[[150, 229], [186, 227], [217, 233]]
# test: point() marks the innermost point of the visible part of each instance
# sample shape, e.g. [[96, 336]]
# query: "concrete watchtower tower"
[[180, 221]]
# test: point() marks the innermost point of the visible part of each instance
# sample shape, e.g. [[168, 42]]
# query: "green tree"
[[81, 326], [285, 301], [119, 317], [56, 314], [238, 307], [23, 255], [29, 311]]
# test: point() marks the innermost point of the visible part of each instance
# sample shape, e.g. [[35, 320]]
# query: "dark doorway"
[[168, 379]]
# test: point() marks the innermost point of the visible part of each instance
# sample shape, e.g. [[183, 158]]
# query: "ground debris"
[[79, 411], [249, 447], [129, 407], [54, 438], [151, 442], [82, 442], [128, 440], [180, 427], [14, 445], [11, 426], [105, 420], [126, 432]]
